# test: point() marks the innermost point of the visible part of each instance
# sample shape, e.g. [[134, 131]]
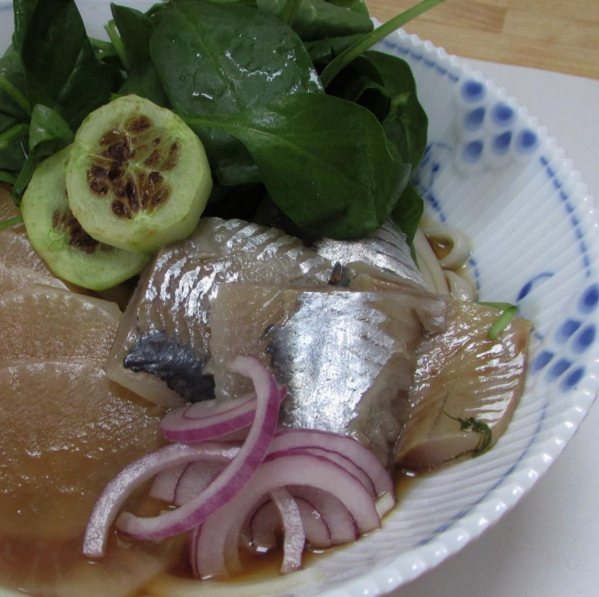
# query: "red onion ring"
[[235, 475], [293, 529], [118, 490], [217, 539]]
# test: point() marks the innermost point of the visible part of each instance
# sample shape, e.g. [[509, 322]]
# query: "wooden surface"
[[556, 35]]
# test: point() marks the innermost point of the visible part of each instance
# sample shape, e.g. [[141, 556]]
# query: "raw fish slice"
[[462, 373], [66, 432], [162, 344], [41, 322], [17, 278], [346, 358], [385, 253]]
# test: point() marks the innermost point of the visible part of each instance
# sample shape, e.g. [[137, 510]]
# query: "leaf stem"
[[366, 42], [504, 319], [11, 222], [12, 134], [16, 95], [117, 44], [100, 44]]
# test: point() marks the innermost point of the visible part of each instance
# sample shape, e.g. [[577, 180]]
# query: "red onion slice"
[[293, 529], [341, 525], [360, 456], [118, 490], [233, 478], [207, 420], [217, 539], [265, 523]]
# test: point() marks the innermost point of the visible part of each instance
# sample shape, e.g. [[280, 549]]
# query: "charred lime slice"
[[138, 177], [57, 236]]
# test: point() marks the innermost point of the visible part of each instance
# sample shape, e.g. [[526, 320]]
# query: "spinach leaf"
[[61, 68], [385, 85], [324, 50], [136, 29], [317, 19], [408, 211], [364, 44], [207, 68], [48, 132], [325, 161], [406, 124], [14, 108]]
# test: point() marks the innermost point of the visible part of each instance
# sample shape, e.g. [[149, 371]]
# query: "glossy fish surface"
[[162, 344], [463, 375], [347, 358], [385, 253]]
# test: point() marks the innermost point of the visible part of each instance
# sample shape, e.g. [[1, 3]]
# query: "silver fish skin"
[[462, 374], [162, 344], [346, 358], [385, 253]]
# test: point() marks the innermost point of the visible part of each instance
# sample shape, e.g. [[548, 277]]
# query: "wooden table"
[[556, 35]]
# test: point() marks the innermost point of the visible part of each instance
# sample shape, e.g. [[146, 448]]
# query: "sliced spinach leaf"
[[145, 82], [207, 68], [318, 19], [325, 161], [61, 68]]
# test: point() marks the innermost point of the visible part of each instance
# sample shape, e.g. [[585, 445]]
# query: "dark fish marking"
[[139, 124], [173, 363]]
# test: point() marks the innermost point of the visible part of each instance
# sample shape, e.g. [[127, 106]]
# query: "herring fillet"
[[462, 373], [162, 343], [384, 253], [346, 358]]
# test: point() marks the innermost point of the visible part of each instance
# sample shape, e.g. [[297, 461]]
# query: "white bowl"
[[491, 171]]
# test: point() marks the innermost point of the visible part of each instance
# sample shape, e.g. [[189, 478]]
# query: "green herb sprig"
[[508, 313], [476, 426]]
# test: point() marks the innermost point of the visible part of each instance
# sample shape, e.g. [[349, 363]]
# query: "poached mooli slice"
[[138, 177]]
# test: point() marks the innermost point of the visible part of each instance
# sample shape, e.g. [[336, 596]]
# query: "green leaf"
[[48, 132], [476, 426], [14, 108], [324, 161], [408, 211], [61, 67], [135, 29], [364, 44], [324, 50], [318, 19], [207, 68]]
